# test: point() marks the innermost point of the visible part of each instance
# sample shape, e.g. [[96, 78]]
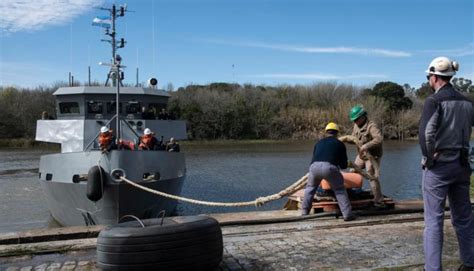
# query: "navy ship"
[[82, 183]]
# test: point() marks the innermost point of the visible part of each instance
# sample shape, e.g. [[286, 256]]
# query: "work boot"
[[304, 212], [379, 206], [465, 268], [351, 217]]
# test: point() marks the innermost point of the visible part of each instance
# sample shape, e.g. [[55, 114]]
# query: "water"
[[222, 172]]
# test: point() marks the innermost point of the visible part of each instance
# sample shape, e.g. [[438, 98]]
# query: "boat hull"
[[67, 197]]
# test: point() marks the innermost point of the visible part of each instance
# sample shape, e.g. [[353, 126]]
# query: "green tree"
[[393, 94], [424, 91], [462, 84]]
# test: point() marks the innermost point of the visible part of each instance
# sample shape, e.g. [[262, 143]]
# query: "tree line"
[[233, 111]]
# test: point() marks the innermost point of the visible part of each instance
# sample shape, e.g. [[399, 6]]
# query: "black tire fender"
[[180, 243], [96, 178]]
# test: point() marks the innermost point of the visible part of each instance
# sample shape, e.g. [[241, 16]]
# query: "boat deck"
[[370, 242]]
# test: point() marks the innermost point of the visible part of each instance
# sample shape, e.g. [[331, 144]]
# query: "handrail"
[[90, 143]]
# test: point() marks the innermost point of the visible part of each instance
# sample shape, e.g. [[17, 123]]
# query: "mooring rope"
[[257, 202], [260, 201], [375, 165]]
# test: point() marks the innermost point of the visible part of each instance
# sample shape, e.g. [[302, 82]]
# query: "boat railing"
[[97, 135]]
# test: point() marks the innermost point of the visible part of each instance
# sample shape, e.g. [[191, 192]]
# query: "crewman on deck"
[[444, 135], [329, 157], [368, 138], [148, 141], [106, 139], [172, 146]]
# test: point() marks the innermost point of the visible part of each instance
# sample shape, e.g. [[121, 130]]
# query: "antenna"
[[115, 66], [109, 24]]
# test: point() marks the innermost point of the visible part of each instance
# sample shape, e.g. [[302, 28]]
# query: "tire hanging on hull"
[[96, 178]]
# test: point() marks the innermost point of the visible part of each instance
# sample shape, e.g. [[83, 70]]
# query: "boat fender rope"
[[134, 217], [353, 139]]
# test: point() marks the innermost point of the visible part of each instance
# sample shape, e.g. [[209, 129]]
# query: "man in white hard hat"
[[148, 141], [106, 139], [329, 156], [444, 134]]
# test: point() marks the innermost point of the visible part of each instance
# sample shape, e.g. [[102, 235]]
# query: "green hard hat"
[[356, 112]]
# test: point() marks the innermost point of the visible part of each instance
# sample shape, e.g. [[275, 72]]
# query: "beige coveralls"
[[370, 138]]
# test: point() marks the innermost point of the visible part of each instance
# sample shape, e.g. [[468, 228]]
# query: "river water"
[[236, 171]]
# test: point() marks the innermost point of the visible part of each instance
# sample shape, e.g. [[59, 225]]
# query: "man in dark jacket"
[[172, 146], [445, 130], [329, 156]]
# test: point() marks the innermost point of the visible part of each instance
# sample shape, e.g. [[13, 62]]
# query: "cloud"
[[317, 76], [316, 50], [29, 15], [467, 50]]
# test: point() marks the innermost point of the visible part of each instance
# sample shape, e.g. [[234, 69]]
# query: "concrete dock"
[[382, 242]]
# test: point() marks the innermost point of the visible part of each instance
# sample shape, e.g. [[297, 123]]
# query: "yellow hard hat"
[[332, 126]]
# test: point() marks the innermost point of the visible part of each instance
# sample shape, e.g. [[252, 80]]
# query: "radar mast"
[[115, 73]]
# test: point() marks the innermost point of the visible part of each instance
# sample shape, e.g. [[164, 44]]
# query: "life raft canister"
[[96, 178], [351, 180]]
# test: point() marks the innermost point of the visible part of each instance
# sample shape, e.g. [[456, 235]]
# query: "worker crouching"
[[329, 157]]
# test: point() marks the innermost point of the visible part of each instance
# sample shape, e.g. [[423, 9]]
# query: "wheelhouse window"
[[94, 107], [69, 108], [133, 107], [112, 107], [156, 107]]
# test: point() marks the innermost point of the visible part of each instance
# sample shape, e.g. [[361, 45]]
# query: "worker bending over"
[[329, 156]]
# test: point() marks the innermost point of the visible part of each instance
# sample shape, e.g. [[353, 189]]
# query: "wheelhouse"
[[81, 111]]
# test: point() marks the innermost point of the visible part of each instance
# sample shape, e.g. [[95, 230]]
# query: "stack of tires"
[[178, 243]]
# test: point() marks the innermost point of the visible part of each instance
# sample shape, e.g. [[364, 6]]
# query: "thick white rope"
[[257, 202], [353, 139]]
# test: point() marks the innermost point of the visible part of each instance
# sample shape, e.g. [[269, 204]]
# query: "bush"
[[232, 111]]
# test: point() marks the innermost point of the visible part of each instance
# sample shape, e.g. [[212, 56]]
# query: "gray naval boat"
[[82, 184]]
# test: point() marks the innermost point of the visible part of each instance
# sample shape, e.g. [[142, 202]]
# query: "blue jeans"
[[451, 180]]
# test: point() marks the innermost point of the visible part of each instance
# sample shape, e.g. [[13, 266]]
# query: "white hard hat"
[[443, 66], [147, 131], [104, 129]]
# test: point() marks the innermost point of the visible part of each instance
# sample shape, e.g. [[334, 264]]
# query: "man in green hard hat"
[[368, 138]]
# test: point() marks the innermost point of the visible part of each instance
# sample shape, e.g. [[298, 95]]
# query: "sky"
[[181, 42]]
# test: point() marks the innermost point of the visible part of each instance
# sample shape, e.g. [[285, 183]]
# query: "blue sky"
[[246, 41]]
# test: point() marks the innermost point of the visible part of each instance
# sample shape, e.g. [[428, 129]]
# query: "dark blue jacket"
[[331, 150], [445, 125]]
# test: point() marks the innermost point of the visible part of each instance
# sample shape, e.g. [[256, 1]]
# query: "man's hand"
[[345, 138], [426, 163], [350, 164]]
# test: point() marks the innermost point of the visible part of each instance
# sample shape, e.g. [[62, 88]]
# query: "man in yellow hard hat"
[[368, 137], [329, 157]]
